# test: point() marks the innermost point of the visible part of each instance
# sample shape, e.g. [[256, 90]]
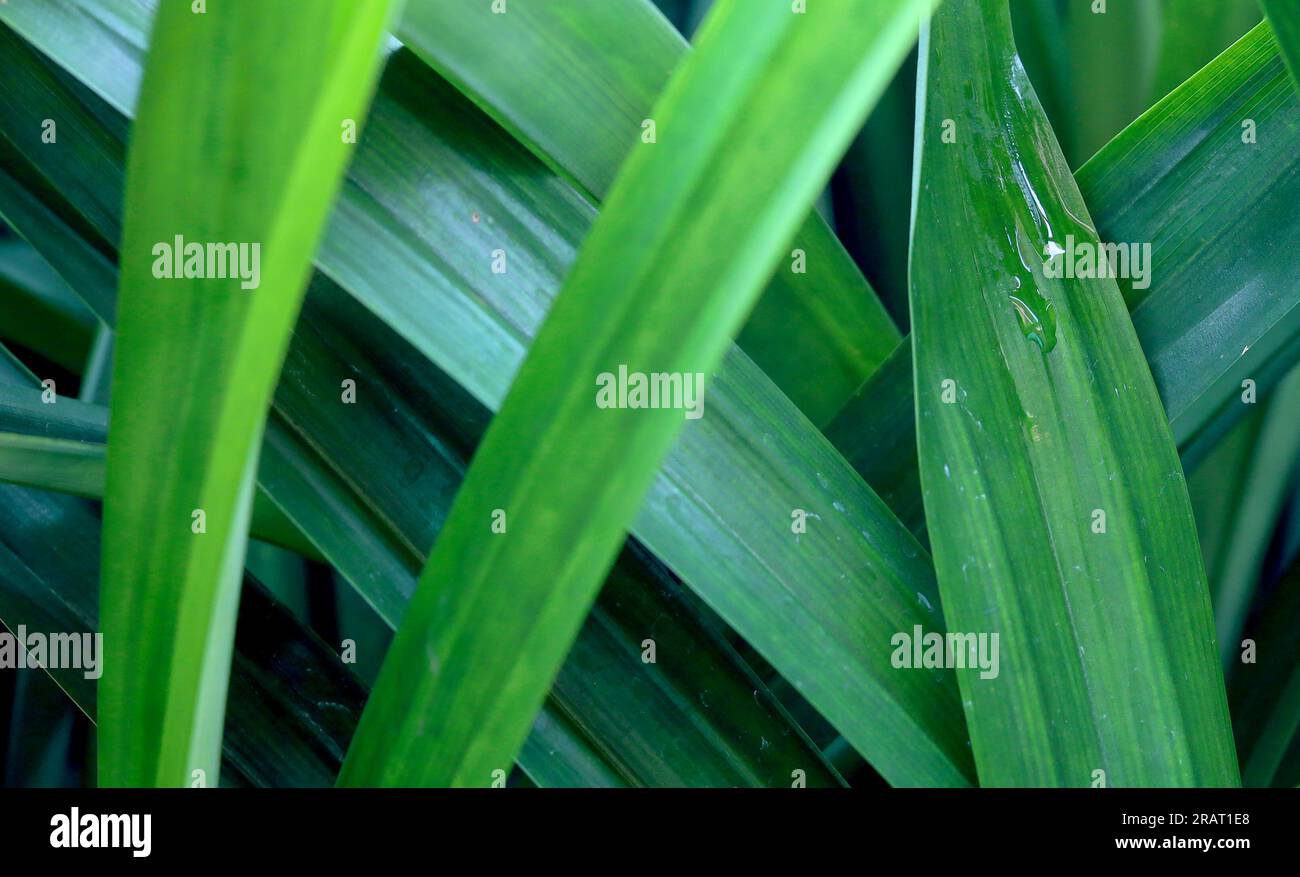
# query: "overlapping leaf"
[[1223, 303], [669, 270], [397, 231], [1053, 493], [332, 474], [196, 360], [576, 82]]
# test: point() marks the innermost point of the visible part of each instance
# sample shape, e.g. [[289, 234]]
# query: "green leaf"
[[1265, 692], [1242, 318], [61, 446], [876, 433], [405, 243], [98, 370], [612, 58], [1035, 413], [398, 246], [1224, 301], [1192, 33], [38, 311], [82, 266], [378, 534], [575, 81], [696, 716], [666, 275], [1285, 18], [311, 459], [280, 731], [1263, 489], [739, 738], [73, 219], [53, 464], [111, 69], [170, 594]]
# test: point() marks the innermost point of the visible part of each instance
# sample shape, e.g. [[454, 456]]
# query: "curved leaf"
[[405, 242], [667, 273], [575, 81], [288, 74], [1224, 299]]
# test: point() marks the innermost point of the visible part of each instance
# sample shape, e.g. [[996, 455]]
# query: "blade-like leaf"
[[667, 273], [1053, 494], [739, 739], [396, 232], [258, 168], [1208, 177], [281, 731], [419, 259], [333, 476], [1265, 692], [575, 81], [112, 27], [705, 720], [1224, 298], [1265, 484], [98, 370], [81, 265], [1285, 18], [61, 446], [612, 59], [53, 464], [640, 720], [1192, 33], [39, 311]]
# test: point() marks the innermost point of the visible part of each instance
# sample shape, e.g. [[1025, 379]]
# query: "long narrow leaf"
[[1053, 493], [1285, 18], [333, 477], [608, 61], [279, 731], [1263, 490], [256, 167], [400, 246], [1223, 304], [61, 446], [666, 275], [1209, 178], [38, 311]]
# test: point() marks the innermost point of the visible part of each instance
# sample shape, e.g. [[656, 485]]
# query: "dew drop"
[[1037, 318]]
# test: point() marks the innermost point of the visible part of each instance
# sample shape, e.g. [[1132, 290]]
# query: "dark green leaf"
[[1036, 414]]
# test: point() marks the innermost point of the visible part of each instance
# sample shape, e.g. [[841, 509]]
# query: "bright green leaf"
[[665, 277], [196, 360]]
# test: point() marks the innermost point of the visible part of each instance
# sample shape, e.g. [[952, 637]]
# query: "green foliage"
[[544, 591], [1054, 498], [196, 360]]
